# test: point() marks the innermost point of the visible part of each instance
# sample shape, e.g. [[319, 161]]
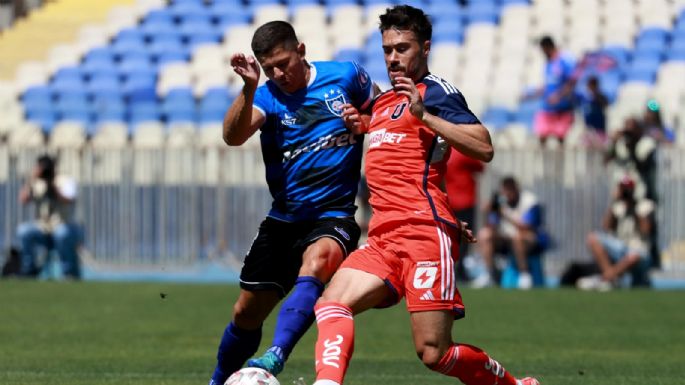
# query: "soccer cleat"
[[525, 281], [528, 381], [269, 362], [482, 281]]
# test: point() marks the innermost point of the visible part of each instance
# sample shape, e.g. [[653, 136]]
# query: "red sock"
[[473, 367], [335, 343]]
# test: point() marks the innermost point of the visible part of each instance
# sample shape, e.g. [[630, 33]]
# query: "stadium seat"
[[350, 54], [144, 112], [496, 118]]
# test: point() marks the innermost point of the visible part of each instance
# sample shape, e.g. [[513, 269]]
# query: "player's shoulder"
[[436, 84], [335, 68]]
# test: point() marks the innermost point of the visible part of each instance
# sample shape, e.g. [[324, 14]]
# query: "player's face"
[[286, 67], [404, 55]]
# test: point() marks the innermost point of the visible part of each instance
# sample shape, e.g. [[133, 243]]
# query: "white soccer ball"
[[252, 376]]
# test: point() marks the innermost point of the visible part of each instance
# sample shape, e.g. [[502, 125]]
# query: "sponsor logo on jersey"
[[288, 120], [334, 101], [424, 277], [322, 143], [379, 137], [342, 232]]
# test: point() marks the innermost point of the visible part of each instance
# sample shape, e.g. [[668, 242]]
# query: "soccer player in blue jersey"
[[312, 169]]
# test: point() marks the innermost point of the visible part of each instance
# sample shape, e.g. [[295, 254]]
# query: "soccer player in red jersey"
[[412, 231]]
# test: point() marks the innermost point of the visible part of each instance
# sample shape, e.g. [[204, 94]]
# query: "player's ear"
[[426, 48], [301, 49]]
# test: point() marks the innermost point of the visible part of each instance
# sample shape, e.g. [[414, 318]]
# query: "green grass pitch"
[[126, 333]]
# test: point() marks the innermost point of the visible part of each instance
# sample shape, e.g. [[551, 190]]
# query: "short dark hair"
[[406, 17], [509, 183], [271, 35], [547, 42]]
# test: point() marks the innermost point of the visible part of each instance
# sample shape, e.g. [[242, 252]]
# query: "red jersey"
[[460, 180], [405, 162]]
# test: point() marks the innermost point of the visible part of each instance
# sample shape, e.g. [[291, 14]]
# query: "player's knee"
[[430, 355], [321, 260], [485, 234]]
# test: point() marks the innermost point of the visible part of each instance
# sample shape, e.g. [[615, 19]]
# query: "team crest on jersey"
[[334, 101]]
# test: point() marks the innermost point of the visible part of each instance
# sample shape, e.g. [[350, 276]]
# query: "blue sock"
[[237, 345], [296, 315]]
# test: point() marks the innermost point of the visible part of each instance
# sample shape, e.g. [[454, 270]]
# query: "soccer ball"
[[252, 376]]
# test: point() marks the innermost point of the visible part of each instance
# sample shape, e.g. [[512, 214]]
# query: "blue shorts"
[[617, 249]]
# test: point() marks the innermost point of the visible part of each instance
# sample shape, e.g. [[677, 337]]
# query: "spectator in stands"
[[594, 103], [634, 153], [623, 245], [462, 193], [53, 228], [654, 125], [556, 117], [514, 226]]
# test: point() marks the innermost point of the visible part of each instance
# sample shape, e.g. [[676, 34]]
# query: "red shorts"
[[555, 124], [416, 262]]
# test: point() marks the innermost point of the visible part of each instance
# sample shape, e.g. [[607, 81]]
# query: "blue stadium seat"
[[130, 35], [217, 93], [140, 88], [75, 112], [180, 114], [526, 112], [95, 68], [482, 12], [99, 54], [496, 117], [676, 55], [128, 48], [67, 86], [180, 95], [257, 3], [44, 119], [172, 57], [160, 31], [102, 87], [162, 51], [202, 31], [450, 12], [135, 65], [653, 33], [159, 16], [445, 31], [510, 2], [227, 14], [350, 54], [644, 75], [37, 94], [109, 111], [143, 112], [69, 72]]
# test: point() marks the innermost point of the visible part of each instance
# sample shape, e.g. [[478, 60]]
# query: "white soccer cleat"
[[525, 281], [482, 281]]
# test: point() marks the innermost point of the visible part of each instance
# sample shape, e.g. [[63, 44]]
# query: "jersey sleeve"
[[445, 101], [263, 100], [361, 87]]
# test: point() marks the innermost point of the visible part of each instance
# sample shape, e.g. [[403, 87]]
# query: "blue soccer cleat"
[[269, 362]]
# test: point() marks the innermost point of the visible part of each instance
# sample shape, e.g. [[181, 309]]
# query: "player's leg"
[[267, 275], [486, 250], [432, 338], [350, 292], [597, 243], [327, 245], [243, 334], [521, 244], [30, 236], [433, 300]]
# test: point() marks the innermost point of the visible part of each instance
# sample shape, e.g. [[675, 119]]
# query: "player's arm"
[[242, 120], [470, 139]]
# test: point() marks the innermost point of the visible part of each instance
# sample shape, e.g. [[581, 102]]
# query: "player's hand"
[[466, 233], [247, 68], [354, 120], [405, 86]]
